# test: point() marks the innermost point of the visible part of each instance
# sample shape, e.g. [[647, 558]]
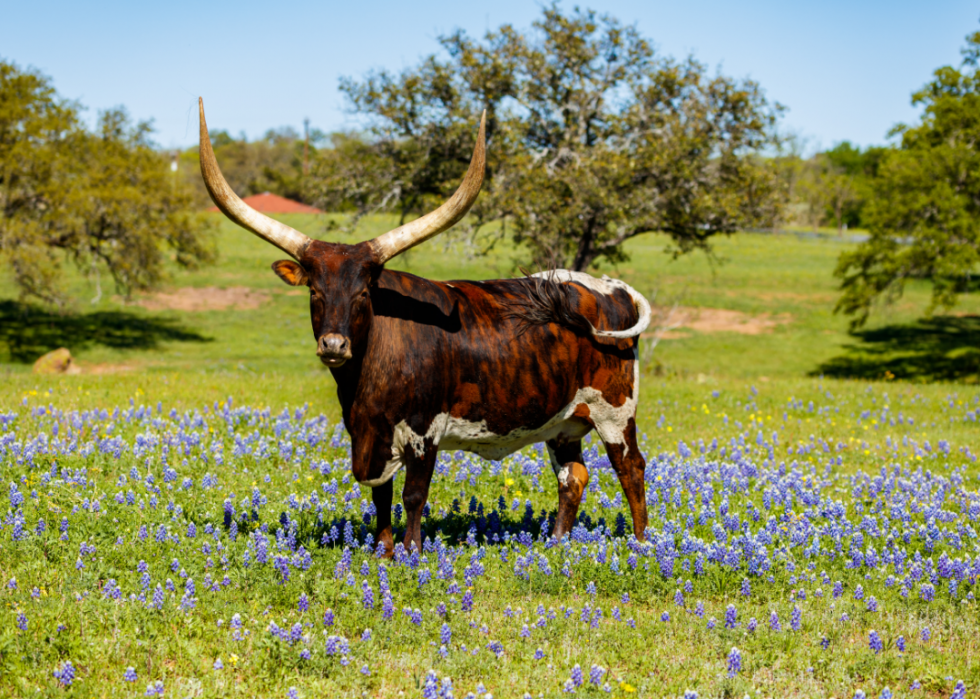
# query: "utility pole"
[[306, 147]]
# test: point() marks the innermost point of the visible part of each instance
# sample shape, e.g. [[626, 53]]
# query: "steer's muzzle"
[[333, 349]]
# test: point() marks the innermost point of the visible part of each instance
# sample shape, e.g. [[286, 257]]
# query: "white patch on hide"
[[563, 476], [403, 437]]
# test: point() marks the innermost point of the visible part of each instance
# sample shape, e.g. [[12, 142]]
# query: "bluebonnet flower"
[[538, 654], [900, 644], [795, 618], [65, 674], [734, 662], [926, 633], [774, 624], [576, 676], [218, 665], [874, 642], [22, 621], [596, 674], [130, 674], [731, 617]]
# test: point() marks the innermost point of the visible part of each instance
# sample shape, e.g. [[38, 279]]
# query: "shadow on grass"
[[28, 331], [942, 348]]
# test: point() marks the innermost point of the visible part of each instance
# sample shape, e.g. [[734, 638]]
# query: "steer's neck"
[[348, 378]]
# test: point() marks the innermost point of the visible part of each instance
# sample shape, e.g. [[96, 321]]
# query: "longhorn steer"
[[483, 366]]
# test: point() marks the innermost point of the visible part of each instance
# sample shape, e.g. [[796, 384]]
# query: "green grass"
[[702, 387]]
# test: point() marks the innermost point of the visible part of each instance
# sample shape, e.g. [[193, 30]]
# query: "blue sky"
[[845, 70]]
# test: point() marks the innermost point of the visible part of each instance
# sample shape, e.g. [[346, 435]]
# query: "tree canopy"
[[923, 214], [106, 200], [592, 139]]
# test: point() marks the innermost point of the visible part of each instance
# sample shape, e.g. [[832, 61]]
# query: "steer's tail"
[[549, 302]]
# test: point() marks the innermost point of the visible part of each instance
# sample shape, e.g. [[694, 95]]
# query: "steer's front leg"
[[369, 462], [418, 477]]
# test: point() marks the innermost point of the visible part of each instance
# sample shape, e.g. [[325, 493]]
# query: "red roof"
[[269, 203]]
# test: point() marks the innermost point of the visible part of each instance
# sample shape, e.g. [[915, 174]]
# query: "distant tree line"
[[830, 188], [276, 162]]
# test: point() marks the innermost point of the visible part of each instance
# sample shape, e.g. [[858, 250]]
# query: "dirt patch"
[[713, 320], [100, 369], [781, 296], [206, 298], [670, 335]]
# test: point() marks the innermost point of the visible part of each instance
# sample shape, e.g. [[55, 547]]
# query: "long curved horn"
[[399, 240], [287, 239]]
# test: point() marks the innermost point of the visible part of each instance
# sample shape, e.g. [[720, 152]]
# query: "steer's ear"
[[290, 272]]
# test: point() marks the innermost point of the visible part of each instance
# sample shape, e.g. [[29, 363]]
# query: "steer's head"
[[340, 277]]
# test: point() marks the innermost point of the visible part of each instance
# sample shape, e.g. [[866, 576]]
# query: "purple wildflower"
[[734, 662]]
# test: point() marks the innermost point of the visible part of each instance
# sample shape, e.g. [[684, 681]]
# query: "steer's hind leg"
[[418, 477], [627, 461], [381, 495], [566, 460]]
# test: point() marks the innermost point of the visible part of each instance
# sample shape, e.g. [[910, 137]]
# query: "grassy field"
[[183, 508]]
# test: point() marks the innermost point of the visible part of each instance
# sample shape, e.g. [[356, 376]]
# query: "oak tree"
[[593, 139], [107, 201], [923, 214]]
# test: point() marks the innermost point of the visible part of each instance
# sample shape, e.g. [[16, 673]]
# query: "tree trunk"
[[586, 252]]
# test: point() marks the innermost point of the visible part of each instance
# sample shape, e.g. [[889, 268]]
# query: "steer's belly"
[[476, 438]]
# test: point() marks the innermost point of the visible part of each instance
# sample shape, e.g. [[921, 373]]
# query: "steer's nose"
[[333, 349]]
